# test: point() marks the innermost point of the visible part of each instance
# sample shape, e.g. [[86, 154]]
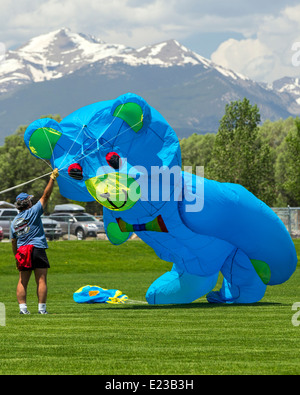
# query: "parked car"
[[69, 208], [4, 204], [52, 228], [6, 217], [1, 234], [80, 225]]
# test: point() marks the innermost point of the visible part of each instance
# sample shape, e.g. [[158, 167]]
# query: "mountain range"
[[58, 72]]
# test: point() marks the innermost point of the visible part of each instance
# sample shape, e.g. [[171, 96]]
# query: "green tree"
[[288, 168], [17, 166], [274, 133], [196, 150], [239, 153]]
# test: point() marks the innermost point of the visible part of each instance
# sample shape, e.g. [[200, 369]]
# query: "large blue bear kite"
[[125, 155]]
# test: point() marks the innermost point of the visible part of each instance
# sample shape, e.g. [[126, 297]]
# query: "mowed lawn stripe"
[[136, 338]]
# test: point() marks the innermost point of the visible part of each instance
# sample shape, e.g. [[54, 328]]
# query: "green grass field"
[[135, 338]]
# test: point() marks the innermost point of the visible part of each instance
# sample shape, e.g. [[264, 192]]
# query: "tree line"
[[265, 158]]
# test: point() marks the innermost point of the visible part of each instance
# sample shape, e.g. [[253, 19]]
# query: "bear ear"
[[133, 110], [41, 137]]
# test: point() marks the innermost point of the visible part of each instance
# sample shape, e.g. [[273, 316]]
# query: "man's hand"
[[54, 174]]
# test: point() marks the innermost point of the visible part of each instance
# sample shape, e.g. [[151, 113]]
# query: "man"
[[29, 244]]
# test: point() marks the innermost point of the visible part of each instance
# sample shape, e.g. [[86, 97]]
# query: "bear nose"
[[115, 191]]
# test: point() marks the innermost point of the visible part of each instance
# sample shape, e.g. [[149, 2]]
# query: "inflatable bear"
[[124, 154]]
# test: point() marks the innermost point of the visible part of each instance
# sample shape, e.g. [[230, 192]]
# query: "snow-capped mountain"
[[59, 72], [52, 56], [61, 52], [289, 85]]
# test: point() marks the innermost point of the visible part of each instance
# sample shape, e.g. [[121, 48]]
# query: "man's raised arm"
[[49, 188]]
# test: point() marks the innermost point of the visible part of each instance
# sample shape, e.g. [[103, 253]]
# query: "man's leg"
[[24, 277], [41, 282]]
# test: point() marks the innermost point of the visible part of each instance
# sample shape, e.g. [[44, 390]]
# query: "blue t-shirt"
[[27, 227]]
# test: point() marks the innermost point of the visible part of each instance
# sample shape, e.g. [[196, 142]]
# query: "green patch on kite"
[[262, 269], [132, 114], [43, 141], [115, 235]]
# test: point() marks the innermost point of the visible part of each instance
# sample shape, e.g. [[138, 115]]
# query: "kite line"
[[24, 183], [77, 157]]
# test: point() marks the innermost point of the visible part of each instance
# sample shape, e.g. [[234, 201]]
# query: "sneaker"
[[24, 312], [43, 312]]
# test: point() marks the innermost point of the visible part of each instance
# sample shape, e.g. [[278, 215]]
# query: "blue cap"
[[23, 196]]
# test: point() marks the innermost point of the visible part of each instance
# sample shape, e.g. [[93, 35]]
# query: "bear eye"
[[114, 160], [75, 171]]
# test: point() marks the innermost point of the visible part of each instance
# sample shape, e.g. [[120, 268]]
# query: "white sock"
[[23, 307], [42, 306]]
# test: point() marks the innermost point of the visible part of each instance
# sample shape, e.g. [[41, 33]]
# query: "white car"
[[52, 228], [7, 215], [81, 225]]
